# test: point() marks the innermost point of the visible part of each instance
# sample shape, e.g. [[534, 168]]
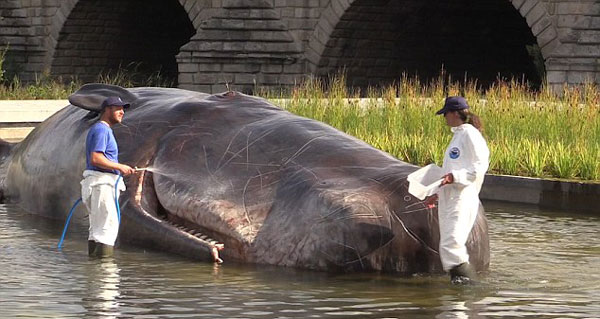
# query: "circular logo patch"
[[454, 153]]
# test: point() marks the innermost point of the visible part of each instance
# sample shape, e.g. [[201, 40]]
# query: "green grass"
[[529, 133], [42, 88], [47, 87]]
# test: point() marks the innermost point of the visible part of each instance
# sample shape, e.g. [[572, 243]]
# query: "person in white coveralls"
[[466, 161], [100, 176]]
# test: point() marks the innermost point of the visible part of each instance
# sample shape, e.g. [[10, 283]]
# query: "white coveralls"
[[467, 158], [98, 195]]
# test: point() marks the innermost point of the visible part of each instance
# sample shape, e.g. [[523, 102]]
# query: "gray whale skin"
[[273, 187]]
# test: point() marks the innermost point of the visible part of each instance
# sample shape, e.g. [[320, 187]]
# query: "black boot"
[[96, 249], [463, 274]]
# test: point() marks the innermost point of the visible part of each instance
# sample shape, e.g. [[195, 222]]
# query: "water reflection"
[[459, 306], [103, 282], [544, 265], [453, 310]]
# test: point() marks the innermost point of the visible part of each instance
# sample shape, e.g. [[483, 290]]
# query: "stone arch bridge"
[[203, 44]]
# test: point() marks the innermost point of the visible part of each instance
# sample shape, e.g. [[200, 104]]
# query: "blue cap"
[[114, 101], [453, 103]]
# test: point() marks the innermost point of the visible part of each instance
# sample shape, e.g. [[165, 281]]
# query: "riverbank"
[[18, 118]]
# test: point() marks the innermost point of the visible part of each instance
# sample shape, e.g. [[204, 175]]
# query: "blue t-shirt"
[[100, 138]]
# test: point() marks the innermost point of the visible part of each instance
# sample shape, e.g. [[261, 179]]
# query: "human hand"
[[126, 169], [447, 179], [430, 201], [215, 253]]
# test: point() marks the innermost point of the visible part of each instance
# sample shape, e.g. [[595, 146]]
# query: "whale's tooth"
[[203, 237]]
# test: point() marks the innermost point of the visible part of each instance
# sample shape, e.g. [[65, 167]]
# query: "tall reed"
[[48, 87], [529, 133]]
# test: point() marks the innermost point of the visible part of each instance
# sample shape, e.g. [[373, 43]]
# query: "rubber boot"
[[96, 249], [463, 274]]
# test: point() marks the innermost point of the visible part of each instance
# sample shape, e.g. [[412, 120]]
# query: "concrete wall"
[[206, 44], [546, 193]]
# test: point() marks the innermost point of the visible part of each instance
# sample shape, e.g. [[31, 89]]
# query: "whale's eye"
[[407, 198]]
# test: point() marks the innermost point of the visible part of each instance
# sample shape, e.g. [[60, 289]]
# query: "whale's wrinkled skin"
[[273, 187]]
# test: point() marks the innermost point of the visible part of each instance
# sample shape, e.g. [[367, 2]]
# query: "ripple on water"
[[544, 265]]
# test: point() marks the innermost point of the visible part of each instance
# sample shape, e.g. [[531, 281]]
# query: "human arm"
[[99, 160]]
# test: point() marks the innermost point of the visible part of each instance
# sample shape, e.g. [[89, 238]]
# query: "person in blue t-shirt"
[[100, 176]]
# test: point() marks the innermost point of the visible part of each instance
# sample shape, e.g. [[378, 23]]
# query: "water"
[[167, 172], [544, 265]]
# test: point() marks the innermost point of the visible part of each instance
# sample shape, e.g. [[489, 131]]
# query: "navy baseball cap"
[[453, 103], [114, 101]]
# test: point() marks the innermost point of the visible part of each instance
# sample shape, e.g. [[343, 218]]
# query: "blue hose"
[[62, 238], [117, 199], [67, 223]]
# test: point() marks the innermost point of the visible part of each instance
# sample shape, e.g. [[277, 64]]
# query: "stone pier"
[[209, 45]]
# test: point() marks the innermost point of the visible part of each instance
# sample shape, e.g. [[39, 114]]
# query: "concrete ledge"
[[19, 117], [547, 193], [15, 134], [17, 111]]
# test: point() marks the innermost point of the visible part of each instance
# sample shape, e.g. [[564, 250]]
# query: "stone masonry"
[[209, 45]]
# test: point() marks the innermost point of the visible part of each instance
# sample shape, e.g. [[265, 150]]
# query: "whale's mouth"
[[147, 199], [186, 226]]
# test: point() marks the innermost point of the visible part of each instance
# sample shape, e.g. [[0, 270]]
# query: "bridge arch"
[[90, 37], [57, 23], [375, 41]]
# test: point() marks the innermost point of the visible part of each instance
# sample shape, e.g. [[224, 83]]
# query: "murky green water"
[[544, 265]]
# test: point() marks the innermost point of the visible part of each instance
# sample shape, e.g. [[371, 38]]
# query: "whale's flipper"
[[90, 96]]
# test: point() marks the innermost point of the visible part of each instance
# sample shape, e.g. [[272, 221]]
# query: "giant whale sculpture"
[[273, 187]]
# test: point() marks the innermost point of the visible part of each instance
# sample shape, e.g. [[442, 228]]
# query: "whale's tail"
[[5, 150]]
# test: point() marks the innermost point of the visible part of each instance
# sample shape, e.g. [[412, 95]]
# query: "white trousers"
[[457, 212], [98, 195]]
